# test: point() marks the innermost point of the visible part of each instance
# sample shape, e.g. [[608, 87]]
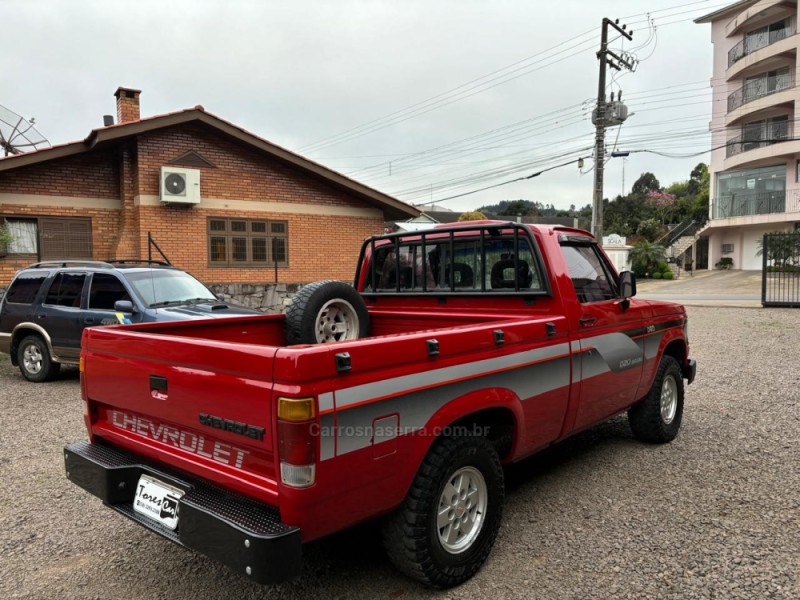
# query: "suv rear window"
[[25, 288]]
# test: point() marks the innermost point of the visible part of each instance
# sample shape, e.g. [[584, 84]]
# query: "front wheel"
[[657, 418], [444, 530], [34, 360]]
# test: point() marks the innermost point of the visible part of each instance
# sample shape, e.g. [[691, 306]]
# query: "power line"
[[468, 89]]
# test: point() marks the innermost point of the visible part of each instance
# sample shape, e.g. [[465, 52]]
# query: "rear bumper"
[[690, 370], [243, 534]]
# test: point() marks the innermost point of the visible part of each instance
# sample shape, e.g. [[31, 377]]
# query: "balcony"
[[761, 38], [758, 136], [760, 88], [755, 203]]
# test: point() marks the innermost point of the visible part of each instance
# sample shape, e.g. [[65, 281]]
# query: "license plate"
[[157, 500]]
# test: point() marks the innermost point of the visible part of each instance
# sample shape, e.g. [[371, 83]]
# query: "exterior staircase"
[[680, 238]]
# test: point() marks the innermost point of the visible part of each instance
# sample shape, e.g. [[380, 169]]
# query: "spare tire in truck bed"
[[326, 311]]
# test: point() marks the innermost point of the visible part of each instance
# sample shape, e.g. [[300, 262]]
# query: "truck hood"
[[661, 307]]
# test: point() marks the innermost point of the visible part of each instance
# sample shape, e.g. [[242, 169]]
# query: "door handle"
[[88, 321], [587, 321]]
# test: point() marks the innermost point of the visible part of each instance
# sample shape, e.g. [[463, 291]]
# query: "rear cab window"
[[499, 258]]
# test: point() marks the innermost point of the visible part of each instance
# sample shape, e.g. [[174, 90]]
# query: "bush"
[[668, 275], [724, 263], [657, 275]]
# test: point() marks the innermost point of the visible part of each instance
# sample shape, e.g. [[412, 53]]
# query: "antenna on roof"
[[18, 135]]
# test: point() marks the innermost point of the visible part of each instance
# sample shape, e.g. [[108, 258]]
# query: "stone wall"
[[269, 297]]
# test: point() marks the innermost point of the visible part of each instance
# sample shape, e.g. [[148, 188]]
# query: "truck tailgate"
[[212, 400]]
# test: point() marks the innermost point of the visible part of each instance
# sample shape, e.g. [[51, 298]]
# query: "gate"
[[780, 275]]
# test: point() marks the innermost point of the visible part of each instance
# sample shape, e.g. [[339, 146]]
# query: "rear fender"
[[448, 419], [25, 329]]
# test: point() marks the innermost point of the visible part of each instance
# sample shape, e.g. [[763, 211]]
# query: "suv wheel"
[[34, 360]]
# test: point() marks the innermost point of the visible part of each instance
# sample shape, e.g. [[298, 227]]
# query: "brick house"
[[253, 204]]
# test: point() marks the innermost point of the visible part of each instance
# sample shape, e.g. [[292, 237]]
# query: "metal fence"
[[780, 277]]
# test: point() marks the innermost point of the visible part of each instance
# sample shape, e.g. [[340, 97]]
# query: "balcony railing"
[[756, 203], [758, 40], [765, 135], [758, 88]]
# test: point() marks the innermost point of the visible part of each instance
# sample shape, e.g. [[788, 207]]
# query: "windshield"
[[159, 288]]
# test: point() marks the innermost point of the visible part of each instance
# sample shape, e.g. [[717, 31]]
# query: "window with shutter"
[[65, 238], [247, 242]]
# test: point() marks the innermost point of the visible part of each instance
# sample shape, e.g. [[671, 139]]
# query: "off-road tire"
[[410, 534], [34, 361], [647, 419], [326, 311]]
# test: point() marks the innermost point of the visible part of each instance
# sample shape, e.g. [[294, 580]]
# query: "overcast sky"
[[476, 92]]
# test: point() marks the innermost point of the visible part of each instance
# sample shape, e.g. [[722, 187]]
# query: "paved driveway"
[[731, 288]]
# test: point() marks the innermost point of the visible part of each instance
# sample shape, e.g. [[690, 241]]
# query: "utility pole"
[[601, 123]]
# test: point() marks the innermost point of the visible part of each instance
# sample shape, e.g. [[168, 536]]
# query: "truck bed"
[[180, 371]]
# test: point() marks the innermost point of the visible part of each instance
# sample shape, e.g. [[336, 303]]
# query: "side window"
[[105, 290], [66, 290], [25, 288], [592, 280]]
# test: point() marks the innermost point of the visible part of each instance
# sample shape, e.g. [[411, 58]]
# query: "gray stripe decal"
[[327, 438], [617, 350], [651, 345], [360, 393], [354, 426], [325, 402]]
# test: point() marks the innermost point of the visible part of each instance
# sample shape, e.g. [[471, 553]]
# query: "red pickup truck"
[[457, 350]]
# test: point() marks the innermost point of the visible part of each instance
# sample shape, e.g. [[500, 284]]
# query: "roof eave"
[[722, 12], [392, 207]]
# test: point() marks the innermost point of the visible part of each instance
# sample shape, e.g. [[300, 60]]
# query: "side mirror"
[[123, 306], [220, 297], [627, 284]]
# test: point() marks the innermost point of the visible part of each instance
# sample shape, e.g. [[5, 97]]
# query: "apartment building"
[[755, 161]]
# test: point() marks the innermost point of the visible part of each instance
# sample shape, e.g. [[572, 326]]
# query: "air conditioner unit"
[[180, 186]]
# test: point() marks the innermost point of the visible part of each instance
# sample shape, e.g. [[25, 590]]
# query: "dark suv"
[[48, 305]]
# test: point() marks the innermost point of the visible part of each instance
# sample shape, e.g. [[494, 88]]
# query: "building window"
[[51, 238], [247, 242]]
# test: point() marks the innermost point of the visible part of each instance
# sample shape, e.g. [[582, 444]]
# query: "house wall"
[[119, 190], [727, 31]]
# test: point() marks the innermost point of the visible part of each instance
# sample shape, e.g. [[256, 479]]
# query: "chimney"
[[127, 104]]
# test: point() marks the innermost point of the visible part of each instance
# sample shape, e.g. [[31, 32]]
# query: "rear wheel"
[[34, 360], [657, 418], [446, 527]]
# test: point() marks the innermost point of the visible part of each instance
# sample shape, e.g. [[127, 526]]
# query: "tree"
[[782, 249], [663, 203], [472, 215], [645, 257], [698, 179], [647, 182]]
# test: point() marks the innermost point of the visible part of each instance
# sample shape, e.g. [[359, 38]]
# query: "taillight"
[[297, 444], [81, 369]]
